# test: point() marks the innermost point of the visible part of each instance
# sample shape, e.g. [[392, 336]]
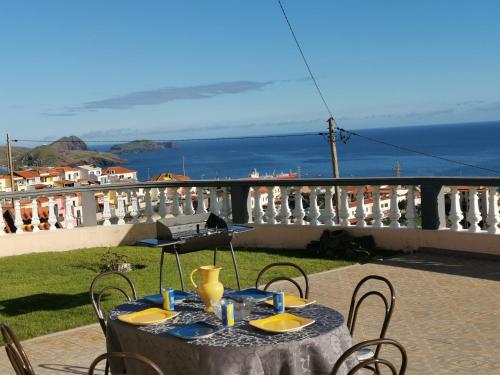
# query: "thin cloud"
[[170, 94], [58, 114]]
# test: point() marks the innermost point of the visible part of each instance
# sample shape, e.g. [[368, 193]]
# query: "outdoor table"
[[241, 349]]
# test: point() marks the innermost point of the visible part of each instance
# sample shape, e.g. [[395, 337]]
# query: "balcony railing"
[[447, 203]]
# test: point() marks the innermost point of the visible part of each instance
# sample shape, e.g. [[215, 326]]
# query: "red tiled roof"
[[65, 169], [27, 174], [117, 170]]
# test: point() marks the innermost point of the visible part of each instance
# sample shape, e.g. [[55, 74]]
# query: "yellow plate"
[[292, 302], [279, 323], [148, 316]]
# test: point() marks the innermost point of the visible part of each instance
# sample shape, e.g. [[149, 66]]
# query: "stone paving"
[[447, 316]]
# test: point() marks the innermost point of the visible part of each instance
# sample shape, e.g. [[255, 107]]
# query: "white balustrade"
[[493, 215], [313, 206], [482, 203], [2, 221], [360, 207], [271, 212], [52, 214], [249, 205], [68, 213], [411, 211], [284, 214], [473, 214], [329, 212], [298, 212], [226, 204], [35, 219], [344, 207], [441, 209], [258, 212], [120, 200], [377, 213], [200, 198], [106, 211], [394, 212], [176, 203], [162, 205], [456, 215], [134, 209], [188, 201], [214, 202], [18, 220]]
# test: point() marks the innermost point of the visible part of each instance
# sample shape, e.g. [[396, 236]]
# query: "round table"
[[240, 350]]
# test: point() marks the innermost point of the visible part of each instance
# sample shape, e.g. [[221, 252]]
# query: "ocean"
[[473, 143]]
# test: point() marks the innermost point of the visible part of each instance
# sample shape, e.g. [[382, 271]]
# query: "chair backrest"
[[132, 356], [96, 300], [373, 363], [15, 352], [356, 303], [284, 278]]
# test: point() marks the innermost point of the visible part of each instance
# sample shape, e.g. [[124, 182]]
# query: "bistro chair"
[[96, 300], [284, 278], [15, 352], [125, 355], [373, 364], [356, 302]]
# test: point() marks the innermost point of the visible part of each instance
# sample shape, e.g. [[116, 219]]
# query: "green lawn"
[[48, 292]]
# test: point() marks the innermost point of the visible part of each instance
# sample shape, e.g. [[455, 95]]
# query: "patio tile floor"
[[447, 316]]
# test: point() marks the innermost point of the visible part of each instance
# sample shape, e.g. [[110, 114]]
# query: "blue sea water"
[[474, 143]]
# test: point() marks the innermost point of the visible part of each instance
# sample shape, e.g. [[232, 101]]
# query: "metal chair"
[[373, 364], [125, 355], [367, 353], [15, 352], [284, 278], [96, 302]]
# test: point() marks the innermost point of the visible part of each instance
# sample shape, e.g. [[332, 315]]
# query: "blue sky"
[[196, 69]]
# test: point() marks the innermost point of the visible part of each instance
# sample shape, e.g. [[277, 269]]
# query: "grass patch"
[[49, 292]]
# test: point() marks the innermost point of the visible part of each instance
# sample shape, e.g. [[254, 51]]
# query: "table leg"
[[235, 264], [179, 267]]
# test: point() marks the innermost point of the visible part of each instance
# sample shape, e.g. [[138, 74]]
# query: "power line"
[[305, 60], [342, 131], [47, 141], [407, 149]]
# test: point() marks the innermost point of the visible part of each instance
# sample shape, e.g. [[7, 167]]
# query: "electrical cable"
[[342, 130], [305, 60], [170, 140]]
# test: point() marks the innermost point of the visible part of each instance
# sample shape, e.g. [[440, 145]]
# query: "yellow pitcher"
[[210, 288]]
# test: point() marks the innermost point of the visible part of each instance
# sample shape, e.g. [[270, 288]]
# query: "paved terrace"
[[447, 316]]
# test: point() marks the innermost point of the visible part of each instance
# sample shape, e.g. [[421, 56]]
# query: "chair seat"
[[364, 354]]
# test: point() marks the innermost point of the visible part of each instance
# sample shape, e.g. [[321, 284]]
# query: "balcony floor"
[[447, 316]]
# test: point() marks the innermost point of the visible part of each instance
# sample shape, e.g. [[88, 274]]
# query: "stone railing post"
[[89, 218], [430, 212], [239, 198]]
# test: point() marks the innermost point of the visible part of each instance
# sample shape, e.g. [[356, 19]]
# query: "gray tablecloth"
[[240, 350]]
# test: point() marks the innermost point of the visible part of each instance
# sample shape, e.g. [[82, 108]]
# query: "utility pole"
[[10, 163], [335, 164]]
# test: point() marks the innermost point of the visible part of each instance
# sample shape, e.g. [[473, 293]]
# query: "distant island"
[[142, 145], [71, 151]]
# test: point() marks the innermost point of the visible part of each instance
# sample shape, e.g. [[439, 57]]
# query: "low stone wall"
[[297, 237], [264, 236], [77, 238]]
